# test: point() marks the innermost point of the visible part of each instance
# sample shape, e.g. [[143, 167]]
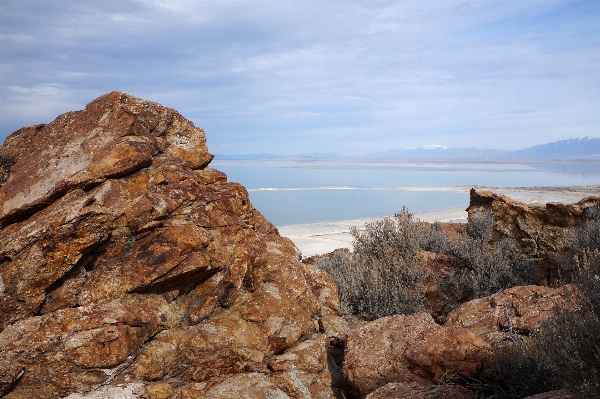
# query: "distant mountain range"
[[583, 147], [573, 149], [437, 152]]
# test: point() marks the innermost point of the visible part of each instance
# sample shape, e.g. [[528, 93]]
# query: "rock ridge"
[[540, 230], [128, 266]]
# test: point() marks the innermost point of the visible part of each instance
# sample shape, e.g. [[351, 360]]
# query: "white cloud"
[[40, 90], [290, 74]]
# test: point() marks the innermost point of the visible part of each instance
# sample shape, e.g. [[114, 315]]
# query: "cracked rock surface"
[[129, 268]]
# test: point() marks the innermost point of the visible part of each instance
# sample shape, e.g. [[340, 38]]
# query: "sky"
[[298, 77]]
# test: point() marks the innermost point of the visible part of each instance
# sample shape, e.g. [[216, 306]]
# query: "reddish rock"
[[528, 306], [409, 348], [539, 229], [375, 351], [335, 328], [446, 350], [129, 267], [399, 390]]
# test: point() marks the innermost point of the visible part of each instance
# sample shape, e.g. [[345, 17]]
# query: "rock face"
[[539, 230], [129, 268]]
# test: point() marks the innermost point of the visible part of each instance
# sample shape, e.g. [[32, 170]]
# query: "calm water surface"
[[295, 192]]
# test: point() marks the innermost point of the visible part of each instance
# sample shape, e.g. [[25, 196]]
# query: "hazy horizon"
[[290, 77]]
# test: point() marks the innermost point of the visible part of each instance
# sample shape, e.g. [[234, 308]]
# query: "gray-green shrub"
[[482, 267], [382, 278]]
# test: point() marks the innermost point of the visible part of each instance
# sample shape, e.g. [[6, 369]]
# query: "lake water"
[[296, 192]]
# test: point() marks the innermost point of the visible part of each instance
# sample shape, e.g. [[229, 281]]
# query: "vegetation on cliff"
[[566, 351], [385, 276], [389, 274]]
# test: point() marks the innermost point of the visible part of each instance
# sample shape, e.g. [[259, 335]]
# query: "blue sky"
[[289, 77]]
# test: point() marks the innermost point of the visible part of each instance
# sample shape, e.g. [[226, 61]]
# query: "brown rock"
[[528, 306], [77, 349], [436, 267], [158, 390], [375, 351], [399, 390], [409, 348], [309, 355], [539, 230], [335, 328], [446, 350], [244, 385], [115, 135], [10, 373], [313, 260], [304, 385], [323, 287], [128, 267]]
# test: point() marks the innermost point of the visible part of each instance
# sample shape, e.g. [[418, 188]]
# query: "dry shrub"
[[566, 351], [574, 336], [482, 267], [382, 277], [517, 371], [587, 237]]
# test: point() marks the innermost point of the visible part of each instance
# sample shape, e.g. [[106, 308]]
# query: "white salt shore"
[[321, 238]]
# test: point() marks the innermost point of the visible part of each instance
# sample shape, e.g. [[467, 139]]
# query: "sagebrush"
[[481, 266], [382, 277]]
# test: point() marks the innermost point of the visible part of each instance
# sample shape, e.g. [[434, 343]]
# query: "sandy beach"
[[320, 238]]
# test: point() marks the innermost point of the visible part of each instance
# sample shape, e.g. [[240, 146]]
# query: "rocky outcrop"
[[540, 230], [407, 349], [129, 268], [527, 307]]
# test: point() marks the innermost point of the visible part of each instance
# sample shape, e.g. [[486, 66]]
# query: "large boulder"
[[129, 267], [540, 230], [409, 349], [527, 307]]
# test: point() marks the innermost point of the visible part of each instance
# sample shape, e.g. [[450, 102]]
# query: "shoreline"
[[324, 237]]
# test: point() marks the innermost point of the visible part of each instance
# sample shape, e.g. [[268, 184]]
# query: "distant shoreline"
[[583, 191], [575, 161], [323, 237]]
